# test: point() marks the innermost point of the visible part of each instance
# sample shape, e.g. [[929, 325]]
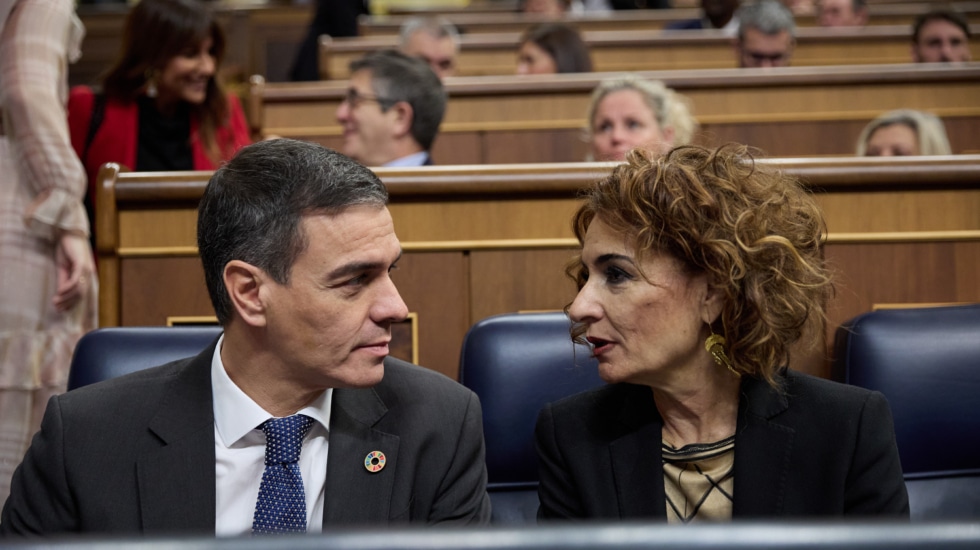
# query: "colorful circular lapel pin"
[[374, 461]]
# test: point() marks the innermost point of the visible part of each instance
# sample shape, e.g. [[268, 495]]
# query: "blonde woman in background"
[[628, 112], [904, 132]]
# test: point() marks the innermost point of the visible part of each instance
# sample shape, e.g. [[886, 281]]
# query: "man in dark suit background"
[[394, 106], [297, 246], [716, 14]]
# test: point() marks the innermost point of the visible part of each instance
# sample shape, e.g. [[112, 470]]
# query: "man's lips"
[[376, 348], [599, 345]]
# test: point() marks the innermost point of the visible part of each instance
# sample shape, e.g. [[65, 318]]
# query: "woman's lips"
[[599, 345]]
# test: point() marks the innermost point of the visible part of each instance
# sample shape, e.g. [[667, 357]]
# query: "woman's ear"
[[244, 282], [712, 303]]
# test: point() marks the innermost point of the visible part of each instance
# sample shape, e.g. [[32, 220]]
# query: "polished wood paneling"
[[638, 50], [793, 111], [483, 240]]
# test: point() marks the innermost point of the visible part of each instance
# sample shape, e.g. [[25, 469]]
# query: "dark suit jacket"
[[819, 449], [136, 455]]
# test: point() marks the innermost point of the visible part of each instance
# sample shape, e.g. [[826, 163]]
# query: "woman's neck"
[[703, 411]]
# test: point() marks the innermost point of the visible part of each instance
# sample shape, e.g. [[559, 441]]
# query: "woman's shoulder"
[[806, 388]]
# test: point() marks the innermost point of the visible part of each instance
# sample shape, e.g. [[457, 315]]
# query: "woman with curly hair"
[[697, 272]]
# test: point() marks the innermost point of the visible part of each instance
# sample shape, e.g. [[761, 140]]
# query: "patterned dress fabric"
[[281, 507], [42, 184], [699, 481]]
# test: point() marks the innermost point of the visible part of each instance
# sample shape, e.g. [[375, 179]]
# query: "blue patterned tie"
[[281, 507]]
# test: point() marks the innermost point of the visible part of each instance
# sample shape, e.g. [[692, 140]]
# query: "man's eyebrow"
[[360, 267]]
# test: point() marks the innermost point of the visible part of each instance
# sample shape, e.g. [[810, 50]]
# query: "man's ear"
[[244, 284], [403, 116]]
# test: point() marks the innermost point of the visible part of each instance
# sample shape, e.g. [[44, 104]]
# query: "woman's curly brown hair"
[[754, 231]]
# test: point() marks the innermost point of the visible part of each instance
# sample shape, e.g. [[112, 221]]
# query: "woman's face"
[[185, 77], [532, 59], [624, 121], [894, 140], [643, 330]]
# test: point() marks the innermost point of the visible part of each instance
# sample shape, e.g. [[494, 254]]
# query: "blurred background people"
[[392, 112], [336, 18], [628, 112], [698, 271], [766, 34], [553, 9], [842, 13], [715, 14], [162, 106], [904, 132], [47, 271], [550, 48], [432, 39], [941, 36]]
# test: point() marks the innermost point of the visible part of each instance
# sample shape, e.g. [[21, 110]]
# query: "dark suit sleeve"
[[559, 499], [462, 497], [40, 500], [875, 485]]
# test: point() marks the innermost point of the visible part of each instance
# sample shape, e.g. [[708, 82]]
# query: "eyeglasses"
[[355, 98]]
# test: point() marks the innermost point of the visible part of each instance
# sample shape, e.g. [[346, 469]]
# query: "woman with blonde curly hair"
[[627, 112], [698, 270]]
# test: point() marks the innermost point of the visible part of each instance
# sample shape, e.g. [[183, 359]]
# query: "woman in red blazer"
[[162, 107]]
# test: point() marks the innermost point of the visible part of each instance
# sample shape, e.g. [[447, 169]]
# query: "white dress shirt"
[[415, 159], [239, 450]]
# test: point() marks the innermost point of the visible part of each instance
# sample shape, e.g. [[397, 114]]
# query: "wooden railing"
[[483, 240]]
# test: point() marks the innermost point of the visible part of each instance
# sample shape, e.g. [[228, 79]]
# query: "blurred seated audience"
[[941, 36], [554, 9], [766, 34], [698, 272], [392, 112], [902, 133], [715, 14], [629, 112], [842, 13], [432, 39], [162, 106], [550, 48], [335, 18]]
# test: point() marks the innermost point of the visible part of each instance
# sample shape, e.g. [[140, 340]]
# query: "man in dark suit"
[[297, 246], [393, 110], [716, 14]]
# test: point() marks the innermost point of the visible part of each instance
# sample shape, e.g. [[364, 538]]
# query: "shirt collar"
[[236, 414], [415, 159]]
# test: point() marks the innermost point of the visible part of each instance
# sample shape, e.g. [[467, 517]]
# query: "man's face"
[[941, 41], [839, 13], [758, 49], [330, 324], [439, 53], [369, 131]]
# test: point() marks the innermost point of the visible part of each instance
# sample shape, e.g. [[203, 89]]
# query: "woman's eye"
[[615, 275]]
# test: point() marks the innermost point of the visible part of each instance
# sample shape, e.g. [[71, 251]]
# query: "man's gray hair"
[[767, 16], [435, 26], [398, 77]]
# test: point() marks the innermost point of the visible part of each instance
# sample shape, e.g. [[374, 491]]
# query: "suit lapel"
[[353, 495], [177, 479], [762, 452], [635, 457]]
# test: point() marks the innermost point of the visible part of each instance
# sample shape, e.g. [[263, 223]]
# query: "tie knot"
[[284, 438]]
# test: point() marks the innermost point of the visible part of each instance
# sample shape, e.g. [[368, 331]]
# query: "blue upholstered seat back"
[[110, 352], [516, 363], [927, 363]]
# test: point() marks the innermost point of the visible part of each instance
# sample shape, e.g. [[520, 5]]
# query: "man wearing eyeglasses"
[[392, 111], [766, 35]]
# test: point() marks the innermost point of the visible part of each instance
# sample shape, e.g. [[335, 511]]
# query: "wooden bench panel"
[[482, 240], [796, 111], [630, 50]]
